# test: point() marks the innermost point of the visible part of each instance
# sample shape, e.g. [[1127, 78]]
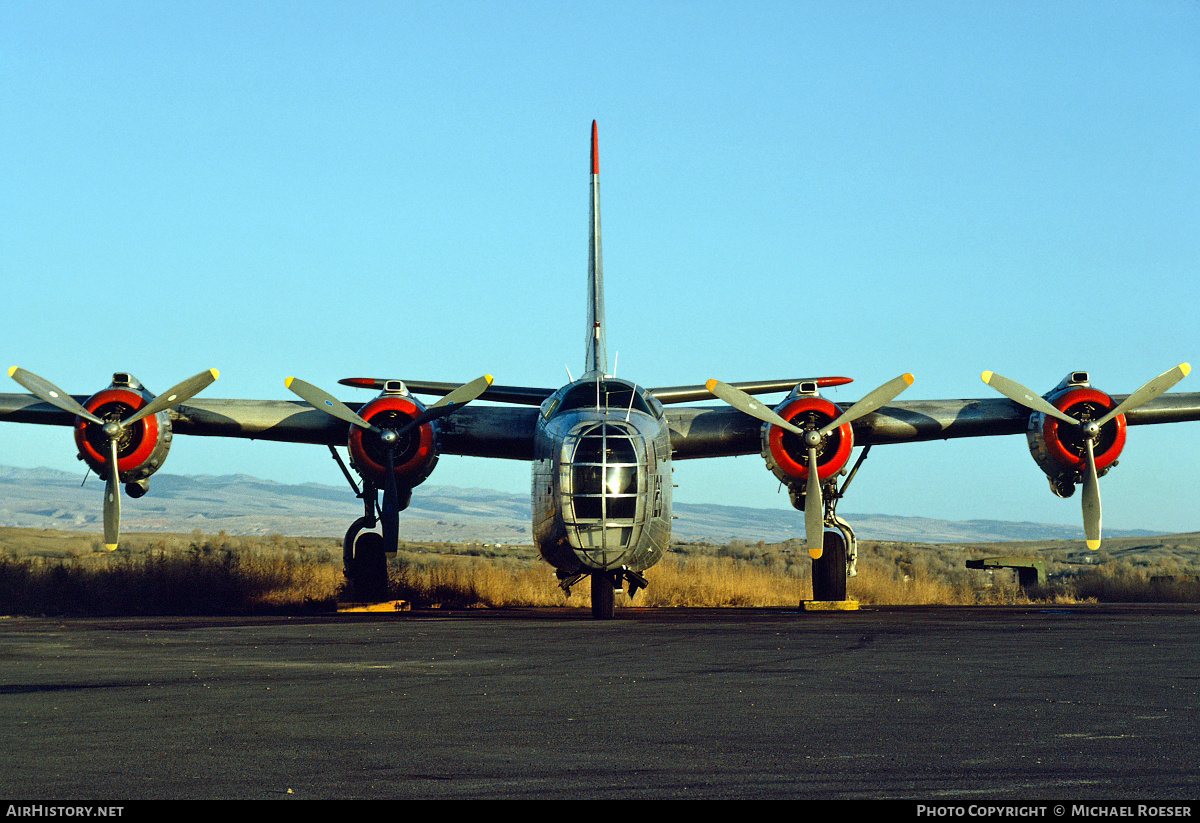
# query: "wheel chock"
[[385, 606], [829, 605]]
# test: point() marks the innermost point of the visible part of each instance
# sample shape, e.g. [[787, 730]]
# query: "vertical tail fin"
[[597, 358]]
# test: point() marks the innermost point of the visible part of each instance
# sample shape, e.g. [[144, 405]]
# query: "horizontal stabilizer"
[[694, 394], [520, 395]]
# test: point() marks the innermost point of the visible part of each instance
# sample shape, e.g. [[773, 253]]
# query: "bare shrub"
[[470, 582], [203, 581], [698, 580]]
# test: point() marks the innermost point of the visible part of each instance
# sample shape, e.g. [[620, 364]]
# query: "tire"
[[829, 570], [370, 568], [603, 595], [349, 568]]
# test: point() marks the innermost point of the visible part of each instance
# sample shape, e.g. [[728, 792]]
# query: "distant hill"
[[241, 504]]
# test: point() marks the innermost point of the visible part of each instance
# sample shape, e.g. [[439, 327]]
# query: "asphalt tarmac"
[[1010, 704]]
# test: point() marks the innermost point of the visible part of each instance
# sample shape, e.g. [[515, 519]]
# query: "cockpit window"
[[604, 394]]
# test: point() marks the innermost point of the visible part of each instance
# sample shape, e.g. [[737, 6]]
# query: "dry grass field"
[[64, 573]]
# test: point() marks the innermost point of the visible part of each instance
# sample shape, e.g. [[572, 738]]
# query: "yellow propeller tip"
[[1183, 367], [12, 371], [215, 374], [709, 384], [815, 554], [908, 379], [488, 377], [287, 381], [1093, 544], [112, 547], [987, 376]]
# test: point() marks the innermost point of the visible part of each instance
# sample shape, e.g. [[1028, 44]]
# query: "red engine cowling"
[[416, 452], [1059, 448], [785, 452], [142, 447]]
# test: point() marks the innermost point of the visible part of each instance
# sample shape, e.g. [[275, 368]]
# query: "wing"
[[476, 431], [1075, 434], [504, 432], [124, 434], [723, 431]]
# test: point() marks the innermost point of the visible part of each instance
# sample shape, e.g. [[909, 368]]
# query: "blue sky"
[[400, 189]]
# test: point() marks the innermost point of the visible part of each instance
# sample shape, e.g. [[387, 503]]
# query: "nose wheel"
[[604, 586]]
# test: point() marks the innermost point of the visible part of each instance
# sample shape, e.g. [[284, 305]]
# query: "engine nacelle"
[[142, 447], [785, 452], [416, 453], [1060, 449]]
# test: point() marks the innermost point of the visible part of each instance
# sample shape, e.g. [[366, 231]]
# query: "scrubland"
[[68, 573]]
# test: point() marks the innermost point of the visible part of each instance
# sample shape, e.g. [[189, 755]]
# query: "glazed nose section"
[[602, 506]]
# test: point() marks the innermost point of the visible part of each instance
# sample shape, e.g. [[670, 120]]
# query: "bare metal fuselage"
[[601, 478]]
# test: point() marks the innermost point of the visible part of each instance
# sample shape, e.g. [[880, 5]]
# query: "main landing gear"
[[365, 553], [839, 552]]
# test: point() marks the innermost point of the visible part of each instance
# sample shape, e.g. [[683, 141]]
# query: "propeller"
[[450, 403], [814, 504], [1090, 429], [46, 391]]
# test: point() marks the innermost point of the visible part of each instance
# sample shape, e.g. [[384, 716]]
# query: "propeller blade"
[[745, 403], [465, 393], [814, 509], [1148, 392], [874, 400], [449, 404], [324, 401], [1019, 394], [46, 391], [1091, 501], [179, 393], [431, 413], [112, 500], [391, 506]]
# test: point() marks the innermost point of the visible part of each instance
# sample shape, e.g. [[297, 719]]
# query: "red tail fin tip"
[[595, 152]]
